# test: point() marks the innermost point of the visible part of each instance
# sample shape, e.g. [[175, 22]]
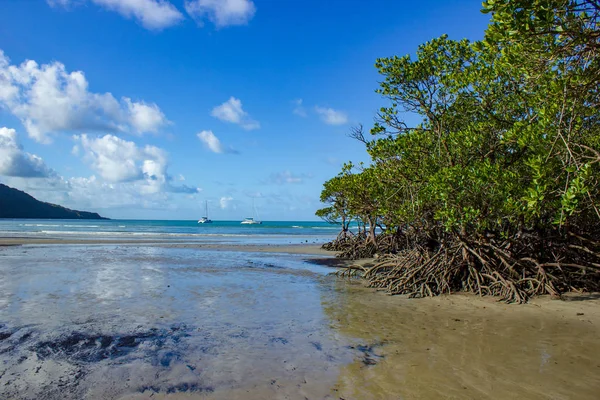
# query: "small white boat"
[[205, 220], [251, 221]]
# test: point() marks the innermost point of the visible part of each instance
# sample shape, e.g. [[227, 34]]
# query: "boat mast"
[[254, 212]]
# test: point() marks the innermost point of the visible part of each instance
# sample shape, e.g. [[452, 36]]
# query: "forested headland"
[[496, 190], [17, 204]]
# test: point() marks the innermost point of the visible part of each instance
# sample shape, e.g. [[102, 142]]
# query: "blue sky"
[[147, 108]]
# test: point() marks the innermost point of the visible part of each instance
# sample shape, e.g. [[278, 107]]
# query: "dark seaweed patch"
[[239, 335], [369, 357], [127, 341], [279, 340], [153, 389], [368, 361], [268, 265], [87, 348], [5, 335], [317, 345], [192, 387], [105, 341], [180, 388], [91, 348], [25, 337], [252, 264]]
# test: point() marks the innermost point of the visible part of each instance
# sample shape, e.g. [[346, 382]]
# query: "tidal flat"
[[142, 321]]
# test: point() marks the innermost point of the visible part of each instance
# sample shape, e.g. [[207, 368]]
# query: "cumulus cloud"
[[210, 141], [148, 185], [117, 161], [48, 99], [225, 202], [90, 193], [145, 117], [15, 162], [232, 111], [331, 116], [286, 177], [151, 14], [299, 108], [222, 13], [94, 194], [213, 143]]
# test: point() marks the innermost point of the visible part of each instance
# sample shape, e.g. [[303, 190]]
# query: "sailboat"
[[251, 221], [205, 219]]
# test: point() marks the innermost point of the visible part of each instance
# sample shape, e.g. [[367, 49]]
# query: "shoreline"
[[308, 248]]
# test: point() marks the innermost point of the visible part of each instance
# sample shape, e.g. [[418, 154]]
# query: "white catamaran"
[[251, 221], [205, 219]]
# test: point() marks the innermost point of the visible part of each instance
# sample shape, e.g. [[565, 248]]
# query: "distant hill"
[[17, 204]]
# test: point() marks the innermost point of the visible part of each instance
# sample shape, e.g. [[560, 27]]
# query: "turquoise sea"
[[273, 232]]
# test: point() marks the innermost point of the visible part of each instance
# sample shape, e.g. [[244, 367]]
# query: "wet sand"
[[466, 347], [310, 249], [180, 321]]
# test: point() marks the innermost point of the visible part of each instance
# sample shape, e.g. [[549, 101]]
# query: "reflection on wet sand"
[[141, 322], [137, 322], [464, 347]]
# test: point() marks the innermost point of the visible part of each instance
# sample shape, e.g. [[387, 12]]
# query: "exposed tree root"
[[354, 247], [511, 270]]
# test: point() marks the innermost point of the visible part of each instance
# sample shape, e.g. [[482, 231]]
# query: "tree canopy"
[[498, 181]]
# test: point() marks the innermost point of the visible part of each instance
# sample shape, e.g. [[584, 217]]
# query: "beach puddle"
[[140, 322]]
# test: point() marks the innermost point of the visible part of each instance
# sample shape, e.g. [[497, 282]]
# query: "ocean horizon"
[[275, 232]]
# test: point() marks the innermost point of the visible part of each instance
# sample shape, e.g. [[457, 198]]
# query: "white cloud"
[[211, 141], [152, 14], [221, 12], [147, 186], [16, 162], [92, 193], [299, 108], [225, 202], [77, 193], [49, 99], [232, 111], [117, 161], [145, 117], [286, 177], [331, 116]]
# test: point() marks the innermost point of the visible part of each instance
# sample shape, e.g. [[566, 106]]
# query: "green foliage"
[[508, 137]]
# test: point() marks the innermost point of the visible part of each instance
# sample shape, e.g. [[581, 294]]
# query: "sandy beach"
[[309, 249], [141, 320]]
